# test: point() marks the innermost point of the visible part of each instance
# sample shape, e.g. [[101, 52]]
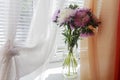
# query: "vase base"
[[68, 77]]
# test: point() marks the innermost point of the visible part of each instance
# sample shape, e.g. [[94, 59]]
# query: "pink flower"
[[81, 18], [55, 16]]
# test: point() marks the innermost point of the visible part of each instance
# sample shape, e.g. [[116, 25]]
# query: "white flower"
[[65, 14]]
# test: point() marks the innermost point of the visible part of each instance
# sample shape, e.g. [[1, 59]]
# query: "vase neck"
[[70, 49]]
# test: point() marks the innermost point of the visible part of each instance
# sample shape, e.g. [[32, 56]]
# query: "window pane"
[[24, 21], [4, 12]]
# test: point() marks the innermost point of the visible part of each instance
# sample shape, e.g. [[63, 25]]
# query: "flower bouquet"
[[77, 23]]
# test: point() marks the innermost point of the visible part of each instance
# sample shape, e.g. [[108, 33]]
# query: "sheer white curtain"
[[8, 51], [18, 61]]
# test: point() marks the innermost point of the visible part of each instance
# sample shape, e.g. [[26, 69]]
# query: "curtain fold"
[[117, 56], [101, 47], [40, 45], [9, 51]]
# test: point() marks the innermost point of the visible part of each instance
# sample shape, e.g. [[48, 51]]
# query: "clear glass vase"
[[70, 65]]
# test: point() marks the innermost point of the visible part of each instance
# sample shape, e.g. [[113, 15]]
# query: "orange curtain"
[[117, 63], [98, 62]]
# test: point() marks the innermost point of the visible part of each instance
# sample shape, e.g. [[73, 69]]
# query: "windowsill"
[[54, 72]]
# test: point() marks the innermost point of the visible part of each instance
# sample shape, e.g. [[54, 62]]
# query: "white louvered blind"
[[3, 20], [26, 11]]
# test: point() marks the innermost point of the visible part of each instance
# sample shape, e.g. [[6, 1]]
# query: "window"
[[26, 12], [61, 47], [23, 24]]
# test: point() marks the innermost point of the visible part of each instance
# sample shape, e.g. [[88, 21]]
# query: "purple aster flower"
[[81, 18], [55, 16]]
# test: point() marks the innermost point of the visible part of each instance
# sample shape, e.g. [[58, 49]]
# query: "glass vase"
[[70, 65]]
